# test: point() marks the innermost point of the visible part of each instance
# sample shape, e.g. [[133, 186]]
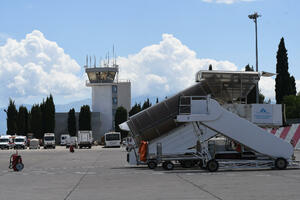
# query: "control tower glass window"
[[114, 100], [114, 89]]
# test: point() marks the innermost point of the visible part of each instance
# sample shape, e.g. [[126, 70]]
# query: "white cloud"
[[165, 68], [34, 67], [226, 1]]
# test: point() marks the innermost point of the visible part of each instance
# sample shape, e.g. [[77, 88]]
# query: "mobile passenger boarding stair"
[[182, 127]]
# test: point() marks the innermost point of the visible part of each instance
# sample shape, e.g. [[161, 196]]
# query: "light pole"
[[254, 17]]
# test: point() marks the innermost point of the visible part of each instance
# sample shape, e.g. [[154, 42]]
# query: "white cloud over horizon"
[[32, 68], [35, 67]]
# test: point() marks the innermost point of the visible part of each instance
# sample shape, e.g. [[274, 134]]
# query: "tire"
[[212, 165], [152, 164], [280, 163], [168, 165], [19, 166]]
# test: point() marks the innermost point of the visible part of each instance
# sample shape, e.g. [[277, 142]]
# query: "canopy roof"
[[228, 86]]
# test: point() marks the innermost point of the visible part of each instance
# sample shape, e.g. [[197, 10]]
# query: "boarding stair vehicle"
[[195, 127]]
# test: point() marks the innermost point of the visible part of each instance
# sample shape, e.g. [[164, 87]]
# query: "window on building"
[[115, 101], [114, 89]]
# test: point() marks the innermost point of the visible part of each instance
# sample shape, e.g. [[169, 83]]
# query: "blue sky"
[[217, 30]]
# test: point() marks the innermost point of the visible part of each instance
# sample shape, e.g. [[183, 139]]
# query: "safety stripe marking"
[[296, 137], [285, 132]]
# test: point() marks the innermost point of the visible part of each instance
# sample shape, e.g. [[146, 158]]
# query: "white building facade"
[[108, 93]]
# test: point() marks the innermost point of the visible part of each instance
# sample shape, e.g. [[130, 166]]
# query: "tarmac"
[[102, 173]]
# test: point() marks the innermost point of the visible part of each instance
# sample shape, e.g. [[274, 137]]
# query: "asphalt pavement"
[[101, 173]]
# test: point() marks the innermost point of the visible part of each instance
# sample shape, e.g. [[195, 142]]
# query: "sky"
[[160, 45]]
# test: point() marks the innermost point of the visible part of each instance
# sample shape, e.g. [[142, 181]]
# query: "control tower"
[[108, 92]]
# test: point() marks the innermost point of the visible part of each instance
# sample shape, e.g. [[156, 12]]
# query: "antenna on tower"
[[90, 61], [86, 61], [94, 61], [108, 59], [114, 55]]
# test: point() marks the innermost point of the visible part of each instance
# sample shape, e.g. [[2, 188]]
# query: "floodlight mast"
[[254, 17]]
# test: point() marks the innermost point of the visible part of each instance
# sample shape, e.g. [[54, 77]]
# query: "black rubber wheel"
[[168, 165], [19, 166], [280, 163], [212, 165], [152, 164]]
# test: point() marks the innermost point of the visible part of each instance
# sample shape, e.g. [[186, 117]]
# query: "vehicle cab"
[[49, 140], [4, 142], [20, 142]]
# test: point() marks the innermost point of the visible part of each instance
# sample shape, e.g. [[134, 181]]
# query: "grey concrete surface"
[[104, 174]]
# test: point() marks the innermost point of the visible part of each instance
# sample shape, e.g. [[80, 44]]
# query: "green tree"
[[157, 101], [285, 84], [48, 115], [22, 121], [72, 122], [210, 67], [292, 106], [120, 117], [36, 121], [135, 109], [11, 119], [146, 104], [85, 118]]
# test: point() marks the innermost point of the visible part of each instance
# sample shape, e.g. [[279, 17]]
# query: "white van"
[[20, 142], [4, 142], [63, 139], [112, 139], [49, 140]]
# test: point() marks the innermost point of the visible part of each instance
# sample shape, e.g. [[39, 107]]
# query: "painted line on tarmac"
[[81, 178], [199, 187]]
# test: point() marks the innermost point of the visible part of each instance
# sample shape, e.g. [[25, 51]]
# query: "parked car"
[[72, 141]]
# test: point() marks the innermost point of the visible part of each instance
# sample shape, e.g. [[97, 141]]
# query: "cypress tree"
[[11, 119], [210, 67], [72, 122], [285, 84], [85, 118], [135, 109], [22, 121], [36, 121], [146, 104], [120, 117]]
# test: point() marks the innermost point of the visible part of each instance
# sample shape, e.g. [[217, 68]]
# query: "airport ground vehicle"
[[64, 139], [85, 139], [34, 144], [112, 139], [20, 142], [49, 140], [72, 141], [4, 142], [182, 129]]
